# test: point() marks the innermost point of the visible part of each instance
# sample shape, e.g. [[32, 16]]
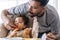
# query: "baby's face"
[[19, 22]]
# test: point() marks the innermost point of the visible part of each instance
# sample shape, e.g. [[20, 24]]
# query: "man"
[[47, 17]]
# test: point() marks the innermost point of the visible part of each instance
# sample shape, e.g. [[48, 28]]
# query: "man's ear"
[[43, 10]]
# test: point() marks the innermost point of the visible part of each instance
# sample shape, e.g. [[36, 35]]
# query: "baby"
[[22, 29]]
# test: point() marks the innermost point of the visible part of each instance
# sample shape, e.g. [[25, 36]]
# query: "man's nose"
[[30, 8]]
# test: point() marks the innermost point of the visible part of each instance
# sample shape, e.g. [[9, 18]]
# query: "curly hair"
[[25, 19]]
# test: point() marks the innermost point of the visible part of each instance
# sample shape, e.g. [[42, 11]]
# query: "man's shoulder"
[[19, 9], [51, 14], [50, 7], [51, 10]]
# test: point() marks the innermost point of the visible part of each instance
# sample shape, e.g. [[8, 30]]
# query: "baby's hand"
[[27, 33], [13, 33], [27, 30]]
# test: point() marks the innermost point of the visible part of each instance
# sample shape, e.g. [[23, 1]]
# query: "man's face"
[[34, 7]]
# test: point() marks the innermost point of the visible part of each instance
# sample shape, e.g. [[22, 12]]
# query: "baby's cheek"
[[20, 26]]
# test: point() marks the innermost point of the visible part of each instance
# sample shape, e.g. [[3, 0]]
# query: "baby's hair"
[[25, 19]]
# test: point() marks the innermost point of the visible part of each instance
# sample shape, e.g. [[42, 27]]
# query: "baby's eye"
[[20, 22]]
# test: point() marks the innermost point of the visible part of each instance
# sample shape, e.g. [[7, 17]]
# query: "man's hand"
[[51, 36], [7, 20], [9, 25]]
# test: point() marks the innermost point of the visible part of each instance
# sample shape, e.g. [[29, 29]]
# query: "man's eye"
[[34, 7]]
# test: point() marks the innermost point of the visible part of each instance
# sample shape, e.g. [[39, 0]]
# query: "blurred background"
[[5, 4]]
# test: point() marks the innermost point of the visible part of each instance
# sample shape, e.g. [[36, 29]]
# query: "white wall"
[[59, 7]]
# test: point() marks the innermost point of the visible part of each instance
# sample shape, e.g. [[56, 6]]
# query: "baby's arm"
[[13, 33]]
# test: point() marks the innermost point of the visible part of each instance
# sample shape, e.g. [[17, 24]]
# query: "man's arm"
[[54, 34], [21, 9], [53, 24], [4, 16], [7, 20]]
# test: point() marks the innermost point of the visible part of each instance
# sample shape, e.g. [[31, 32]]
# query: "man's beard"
[[35, 14]]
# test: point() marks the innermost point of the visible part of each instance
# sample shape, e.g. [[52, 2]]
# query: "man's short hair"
[[42, 2]]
